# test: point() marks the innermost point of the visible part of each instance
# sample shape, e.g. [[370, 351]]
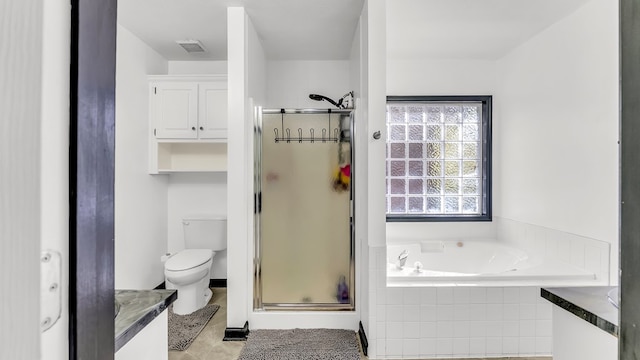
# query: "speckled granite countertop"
[[137, 309], [587, 303]]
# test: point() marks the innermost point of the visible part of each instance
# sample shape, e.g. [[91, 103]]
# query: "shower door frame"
[[258, 304]]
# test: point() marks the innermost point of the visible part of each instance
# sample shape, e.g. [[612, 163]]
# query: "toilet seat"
[[188, 259]]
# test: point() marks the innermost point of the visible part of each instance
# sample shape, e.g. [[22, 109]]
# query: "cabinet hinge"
[[155, 89]]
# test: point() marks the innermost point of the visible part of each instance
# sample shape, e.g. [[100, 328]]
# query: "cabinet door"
[[174, 110], [213, 110]]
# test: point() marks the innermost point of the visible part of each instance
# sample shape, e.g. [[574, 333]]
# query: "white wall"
[[357, 78], [140, 198], [197, 67], [54, 153], [196, 194], [247, 86], [375, 113], [440, 77], [20, 205], [289, 83], [556, 128]]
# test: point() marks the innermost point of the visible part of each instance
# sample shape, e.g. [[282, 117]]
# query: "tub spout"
[[402, 259]]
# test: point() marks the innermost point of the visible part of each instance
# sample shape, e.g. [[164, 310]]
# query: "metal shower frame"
[[258, 304]]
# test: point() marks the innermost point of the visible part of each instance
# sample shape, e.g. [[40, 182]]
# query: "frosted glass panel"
[[305, 236], [415, 113], [416, 204], [415, 151], [398, 168], [434, 132], [397, 150], [416, 132], [434, 168], [398, 132], [416, 186], [397, 186], [471, 113], [452, 132], [416, 168], [453, 113], [447, 137]]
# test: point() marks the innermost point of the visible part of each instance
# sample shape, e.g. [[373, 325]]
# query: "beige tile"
[[209, 344], [180, 355]]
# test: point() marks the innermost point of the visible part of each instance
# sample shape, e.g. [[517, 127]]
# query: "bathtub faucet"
[[402, 259]]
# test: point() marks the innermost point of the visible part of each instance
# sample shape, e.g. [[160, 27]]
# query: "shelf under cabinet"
[[190, 157]]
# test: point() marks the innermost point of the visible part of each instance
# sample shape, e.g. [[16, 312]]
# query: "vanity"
[[141, 324], [585, 322]]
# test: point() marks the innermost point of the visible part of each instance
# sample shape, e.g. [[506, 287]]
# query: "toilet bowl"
[[189, 270]]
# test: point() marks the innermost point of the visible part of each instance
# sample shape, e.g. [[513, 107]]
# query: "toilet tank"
[[205, 232]]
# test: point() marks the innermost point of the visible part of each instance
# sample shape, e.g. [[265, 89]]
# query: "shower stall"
[[304, 231]]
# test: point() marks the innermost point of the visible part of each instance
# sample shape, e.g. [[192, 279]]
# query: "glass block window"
[[438, 158]]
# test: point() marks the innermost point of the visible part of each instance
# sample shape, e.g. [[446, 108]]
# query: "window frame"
[[486, 142]]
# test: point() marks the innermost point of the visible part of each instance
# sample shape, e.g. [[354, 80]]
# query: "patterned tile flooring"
[[209, 345]]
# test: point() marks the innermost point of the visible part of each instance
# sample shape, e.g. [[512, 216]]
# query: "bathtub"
[[479, 262]]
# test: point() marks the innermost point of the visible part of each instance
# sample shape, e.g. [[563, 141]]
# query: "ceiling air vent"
[[191, 46]]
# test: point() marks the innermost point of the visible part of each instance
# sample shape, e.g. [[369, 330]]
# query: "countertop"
[[588, 303], [137, 309]]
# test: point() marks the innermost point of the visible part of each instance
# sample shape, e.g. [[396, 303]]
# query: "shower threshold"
[[307, 307]]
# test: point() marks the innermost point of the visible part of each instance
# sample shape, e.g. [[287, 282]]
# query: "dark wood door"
[[91, 179]]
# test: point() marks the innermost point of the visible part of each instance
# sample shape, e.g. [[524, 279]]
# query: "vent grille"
[[191, 46]]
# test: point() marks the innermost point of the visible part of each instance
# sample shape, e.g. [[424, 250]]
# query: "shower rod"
[[307, 111]]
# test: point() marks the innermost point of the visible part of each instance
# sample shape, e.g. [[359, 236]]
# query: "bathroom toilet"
[[188, 271]]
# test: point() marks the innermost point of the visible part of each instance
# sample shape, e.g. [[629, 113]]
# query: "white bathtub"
[[480, 262]]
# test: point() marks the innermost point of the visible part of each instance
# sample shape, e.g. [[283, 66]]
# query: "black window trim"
[[486, 159]]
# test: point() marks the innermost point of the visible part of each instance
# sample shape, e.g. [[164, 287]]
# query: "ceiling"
[[469, 29], [323, 29], [289, 29]]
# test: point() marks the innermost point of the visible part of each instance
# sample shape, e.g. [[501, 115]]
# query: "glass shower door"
[[305, 251]]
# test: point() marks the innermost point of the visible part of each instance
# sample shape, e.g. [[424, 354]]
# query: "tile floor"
[[209, 345]]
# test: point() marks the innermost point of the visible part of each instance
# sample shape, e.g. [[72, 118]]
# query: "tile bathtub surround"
[[590, 254], [454, 322], [137, 309]]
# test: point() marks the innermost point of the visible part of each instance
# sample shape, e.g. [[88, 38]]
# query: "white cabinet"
[[188, 107], [574, 338], [188, 123], [212, 110], [174, 109]]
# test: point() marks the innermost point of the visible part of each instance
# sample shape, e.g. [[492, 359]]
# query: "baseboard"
[[215, 283], [219, 283], [236, 334], [363, 340]]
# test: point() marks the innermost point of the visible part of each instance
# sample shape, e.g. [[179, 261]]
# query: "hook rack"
[[286, 133]]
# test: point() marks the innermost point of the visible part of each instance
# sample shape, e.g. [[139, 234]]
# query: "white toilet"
[[188, 271]]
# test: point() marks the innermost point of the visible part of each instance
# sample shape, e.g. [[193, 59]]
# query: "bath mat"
[[299, 344], [183, 329]]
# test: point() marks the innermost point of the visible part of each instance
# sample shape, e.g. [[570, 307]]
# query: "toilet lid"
[[188, 259]]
